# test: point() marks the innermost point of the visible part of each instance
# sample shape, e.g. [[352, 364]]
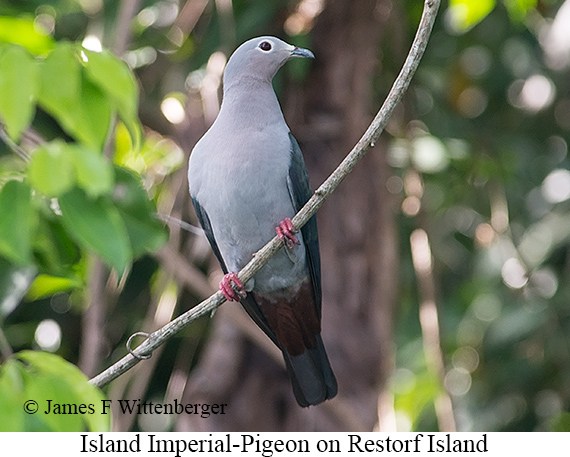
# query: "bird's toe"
[[286, 232], [232, 288]]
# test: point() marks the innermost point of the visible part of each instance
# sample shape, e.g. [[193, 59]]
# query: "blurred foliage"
[[479, 157], [55, 386], [488, 150], [62, 198]]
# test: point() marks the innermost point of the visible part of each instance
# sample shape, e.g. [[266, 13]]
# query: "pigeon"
[[247, 179]]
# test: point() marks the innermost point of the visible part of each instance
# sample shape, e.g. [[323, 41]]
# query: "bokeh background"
[[445, 253]]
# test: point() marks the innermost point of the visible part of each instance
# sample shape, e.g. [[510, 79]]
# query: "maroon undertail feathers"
[[292, 315]]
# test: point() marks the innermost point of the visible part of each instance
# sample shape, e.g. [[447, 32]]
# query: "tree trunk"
[[358, 253]]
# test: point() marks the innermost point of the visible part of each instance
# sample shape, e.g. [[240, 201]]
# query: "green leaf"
[[95, 116], [18, 89], [39, 377], [46, 286], [12, 418], [96, 225], [60, 80], [94, 172], [60, 86], [81, 108], [518, 9], [146, 232], [48, 390], [26, 33], [51, 169], [114, 77], [465, 14], [54, 250], [18, 222]]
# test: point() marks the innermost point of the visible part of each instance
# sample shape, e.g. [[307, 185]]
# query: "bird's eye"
[[265, 46]]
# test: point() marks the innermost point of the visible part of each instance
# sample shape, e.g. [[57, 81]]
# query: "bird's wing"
[[207, 227], [249, 303], [300, 192]]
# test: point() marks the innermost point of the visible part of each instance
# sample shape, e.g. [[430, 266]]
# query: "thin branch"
[[188, 17], [21, 152], [171, 220], [184, 272], [367, 141], [93, 320], [128, 9]]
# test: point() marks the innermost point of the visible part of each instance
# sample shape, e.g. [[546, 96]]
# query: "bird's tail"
[[311, 375]]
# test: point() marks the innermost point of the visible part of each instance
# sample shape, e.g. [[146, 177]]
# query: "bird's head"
[[260, 58]]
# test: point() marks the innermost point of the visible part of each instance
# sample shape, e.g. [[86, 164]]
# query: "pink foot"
[[286, 232], [232, 287]]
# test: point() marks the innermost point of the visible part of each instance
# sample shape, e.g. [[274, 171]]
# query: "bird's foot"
[[286, 232], [232, 287]]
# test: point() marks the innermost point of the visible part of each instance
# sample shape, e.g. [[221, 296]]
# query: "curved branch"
[[367, 141]]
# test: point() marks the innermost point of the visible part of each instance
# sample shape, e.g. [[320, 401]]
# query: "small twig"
[[93, 319], [367, 141], [167, 218], [129, 342], [128, 9], [13, 146], [185, 272], [188, 17]]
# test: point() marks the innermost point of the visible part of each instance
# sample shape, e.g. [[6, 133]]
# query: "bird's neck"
[[251, 101]]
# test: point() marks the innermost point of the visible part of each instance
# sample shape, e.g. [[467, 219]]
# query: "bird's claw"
[[232, 288], [286, 232]]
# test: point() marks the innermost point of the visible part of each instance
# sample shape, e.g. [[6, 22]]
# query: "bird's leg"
[[286, 232], [232, 287]]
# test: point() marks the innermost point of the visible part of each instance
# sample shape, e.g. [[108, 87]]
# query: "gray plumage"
[[246, 175]]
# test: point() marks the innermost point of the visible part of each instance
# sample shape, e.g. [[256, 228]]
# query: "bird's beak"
[[300, 52]]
